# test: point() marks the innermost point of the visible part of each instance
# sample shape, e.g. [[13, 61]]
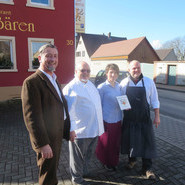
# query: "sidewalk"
[[18, 161], [171, 87]]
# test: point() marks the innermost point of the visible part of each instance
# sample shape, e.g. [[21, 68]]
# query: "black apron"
[[137, 128]]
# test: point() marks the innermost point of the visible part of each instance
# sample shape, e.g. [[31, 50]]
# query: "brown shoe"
[[131, 165], [150, 175]]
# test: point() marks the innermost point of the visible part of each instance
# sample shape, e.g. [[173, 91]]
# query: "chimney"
[[109, 34]]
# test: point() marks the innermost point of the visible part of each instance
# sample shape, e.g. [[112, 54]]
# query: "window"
[[7, 54], [7, 2], [33, 46], [101, 73], [47, 4], [83, 53], [78, 54]]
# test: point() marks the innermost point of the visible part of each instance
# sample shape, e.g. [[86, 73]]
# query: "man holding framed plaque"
[[137, 129]]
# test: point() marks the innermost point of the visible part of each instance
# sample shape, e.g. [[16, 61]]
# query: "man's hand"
[[72, 136], [46, 152], [156, 121]]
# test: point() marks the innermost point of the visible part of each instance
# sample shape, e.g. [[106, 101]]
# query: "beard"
[[84, 80], [50, 68]]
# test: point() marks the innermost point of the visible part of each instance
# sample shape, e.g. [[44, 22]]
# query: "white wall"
[[98, 65], [162, 70], [147, 70], [161, 73], [181, 74], [81, 47]]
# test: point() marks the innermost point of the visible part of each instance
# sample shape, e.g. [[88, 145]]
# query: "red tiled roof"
[[119, 48]]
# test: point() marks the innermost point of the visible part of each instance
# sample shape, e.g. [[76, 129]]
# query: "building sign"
[[80, 16], [7, 24]]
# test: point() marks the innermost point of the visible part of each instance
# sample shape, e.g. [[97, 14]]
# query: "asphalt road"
[[172, 103]]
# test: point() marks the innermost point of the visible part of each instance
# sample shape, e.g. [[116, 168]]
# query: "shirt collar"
[[53, 77], [107, 83], [140, 77], [80, 82]]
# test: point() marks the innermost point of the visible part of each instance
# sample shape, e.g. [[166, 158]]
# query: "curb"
[[168, 89]]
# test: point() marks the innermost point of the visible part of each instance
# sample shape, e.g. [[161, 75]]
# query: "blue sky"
[[158, 20]]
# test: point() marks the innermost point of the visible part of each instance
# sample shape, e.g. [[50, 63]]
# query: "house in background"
[[122, 52], [169, 72], [166, 54], [25, 25], [87, 44]]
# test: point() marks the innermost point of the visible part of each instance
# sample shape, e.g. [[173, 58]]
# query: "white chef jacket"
[[151, 91], [85, 109]]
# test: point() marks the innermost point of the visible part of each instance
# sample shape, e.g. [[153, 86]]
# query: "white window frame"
[[13, 53], [78, 54], [30, 51], [83, 53], [40, 5], [7, 2]]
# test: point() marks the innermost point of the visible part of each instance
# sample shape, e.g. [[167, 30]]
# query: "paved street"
[[18, 165]]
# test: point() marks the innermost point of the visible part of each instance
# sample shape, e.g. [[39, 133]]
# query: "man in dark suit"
[[46, 114]]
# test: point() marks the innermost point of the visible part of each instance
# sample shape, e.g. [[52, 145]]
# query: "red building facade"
[[25, 25]]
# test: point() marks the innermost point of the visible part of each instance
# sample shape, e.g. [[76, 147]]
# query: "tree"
[[178, 44], [5, 62], [35, 63]]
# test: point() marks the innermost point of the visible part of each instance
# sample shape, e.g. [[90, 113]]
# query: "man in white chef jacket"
[[86, 121]]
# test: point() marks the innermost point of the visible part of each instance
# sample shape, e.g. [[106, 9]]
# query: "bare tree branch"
[[178, 44]]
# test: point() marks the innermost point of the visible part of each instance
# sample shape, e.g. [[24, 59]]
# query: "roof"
[[93, 42], [163, 53], [120, 48]]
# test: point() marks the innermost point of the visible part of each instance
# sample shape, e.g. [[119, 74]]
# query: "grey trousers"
[[80, 153]]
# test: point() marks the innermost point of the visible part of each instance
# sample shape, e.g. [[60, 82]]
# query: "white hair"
[[79, 65], [133, 61]]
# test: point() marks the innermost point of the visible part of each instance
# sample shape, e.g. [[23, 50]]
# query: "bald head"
[[81, 64], [82, 71], [134, 69]]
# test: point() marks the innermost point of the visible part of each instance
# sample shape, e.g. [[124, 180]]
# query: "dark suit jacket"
[[43, 112]]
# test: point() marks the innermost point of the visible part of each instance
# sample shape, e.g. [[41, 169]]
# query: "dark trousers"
[[48, 167], [146, 163]]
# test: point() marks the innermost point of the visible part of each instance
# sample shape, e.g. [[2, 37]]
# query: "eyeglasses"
[[85, 70]]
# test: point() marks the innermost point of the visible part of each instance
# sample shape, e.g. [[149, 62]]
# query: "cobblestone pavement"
[[18, 161]]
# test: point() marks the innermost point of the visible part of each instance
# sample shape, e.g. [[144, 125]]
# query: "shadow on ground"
[[18, 164]]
